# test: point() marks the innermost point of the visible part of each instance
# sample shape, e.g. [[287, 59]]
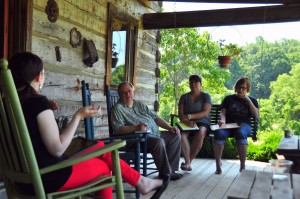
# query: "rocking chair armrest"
[[172, 117], [141, 136], [114, 146]]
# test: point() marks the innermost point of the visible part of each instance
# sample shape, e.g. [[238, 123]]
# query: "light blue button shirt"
[[122, 115]]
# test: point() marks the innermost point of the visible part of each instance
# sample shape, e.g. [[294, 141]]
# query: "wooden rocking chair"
[[18, 161]]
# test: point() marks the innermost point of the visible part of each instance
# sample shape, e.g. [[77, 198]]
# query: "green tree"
[[185, 52], [283, 107], [118, 75], [291, 48], [263, 62]]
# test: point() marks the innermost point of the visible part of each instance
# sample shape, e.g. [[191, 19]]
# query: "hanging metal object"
[[156, 106], [52, 10], [158, 37], [57, 53], [157, 72], [156, 87], [158, 55]]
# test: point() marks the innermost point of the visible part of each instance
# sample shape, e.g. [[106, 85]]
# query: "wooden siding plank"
[[60, 30], [88, 14], [71, 62]]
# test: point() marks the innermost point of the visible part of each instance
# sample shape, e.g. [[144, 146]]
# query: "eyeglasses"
[[242, 87]]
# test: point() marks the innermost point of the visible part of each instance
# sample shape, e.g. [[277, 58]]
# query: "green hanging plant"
[[228, 52]]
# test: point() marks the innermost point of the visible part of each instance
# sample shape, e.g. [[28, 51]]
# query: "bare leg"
[[185, 147], [146, 185], [218, 150], [197, 143], [242, 150]]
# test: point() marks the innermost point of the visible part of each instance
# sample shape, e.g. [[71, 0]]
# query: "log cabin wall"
[[63, 78]]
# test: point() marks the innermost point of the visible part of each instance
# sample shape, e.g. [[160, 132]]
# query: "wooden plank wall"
[[89, 17]]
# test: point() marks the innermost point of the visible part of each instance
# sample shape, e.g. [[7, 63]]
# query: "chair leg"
[[137, 193], [117, 173], [145, 160], [137, 166]]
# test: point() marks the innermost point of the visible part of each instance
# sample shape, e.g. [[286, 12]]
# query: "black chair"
[[112, 97], [214, 117]]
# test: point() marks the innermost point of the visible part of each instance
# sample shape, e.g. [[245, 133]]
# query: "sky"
[[241, 34]]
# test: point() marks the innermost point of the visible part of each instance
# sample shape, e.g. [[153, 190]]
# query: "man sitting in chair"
[[130, 115]]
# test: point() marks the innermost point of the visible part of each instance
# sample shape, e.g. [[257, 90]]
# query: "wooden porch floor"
[[202, 182]]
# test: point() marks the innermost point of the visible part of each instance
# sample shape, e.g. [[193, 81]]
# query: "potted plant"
[[228, 52], [114, 55]]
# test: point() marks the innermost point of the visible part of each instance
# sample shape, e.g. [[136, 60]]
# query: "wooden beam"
[[4, 8], [223, 17], [235, 1], [145, 2]]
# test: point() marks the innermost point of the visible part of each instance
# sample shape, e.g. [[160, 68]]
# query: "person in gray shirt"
[[193, 110], [130, 115]]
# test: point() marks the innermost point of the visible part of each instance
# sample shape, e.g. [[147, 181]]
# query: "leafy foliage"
[[184, 52], [262, 62], [282, 109], [118, 74], [114, 53], [230, 49], [207, 150], [266, 149]]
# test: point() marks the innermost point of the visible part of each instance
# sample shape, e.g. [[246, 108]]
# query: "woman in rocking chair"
[[49, 144]]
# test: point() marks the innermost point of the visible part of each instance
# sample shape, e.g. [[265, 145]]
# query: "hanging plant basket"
[[114, 62], [224, 61]]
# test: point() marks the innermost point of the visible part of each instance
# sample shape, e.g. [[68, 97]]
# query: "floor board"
[[202, 182]]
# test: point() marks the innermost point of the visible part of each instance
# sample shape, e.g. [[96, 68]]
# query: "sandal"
[[218, 172], [218, 169], [185, 167]]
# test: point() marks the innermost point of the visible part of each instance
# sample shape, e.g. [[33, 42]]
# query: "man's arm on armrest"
[[140, 128], [126, 130], [163, 124]]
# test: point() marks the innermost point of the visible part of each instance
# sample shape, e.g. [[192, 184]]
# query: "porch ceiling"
[[285, 11]]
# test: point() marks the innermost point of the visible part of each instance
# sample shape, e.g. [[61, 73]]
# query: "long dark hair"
[[25, 66]]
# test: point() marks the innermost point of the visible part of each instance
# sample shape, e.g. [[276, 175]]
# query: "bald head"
[[121, 85], [125, 91]]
